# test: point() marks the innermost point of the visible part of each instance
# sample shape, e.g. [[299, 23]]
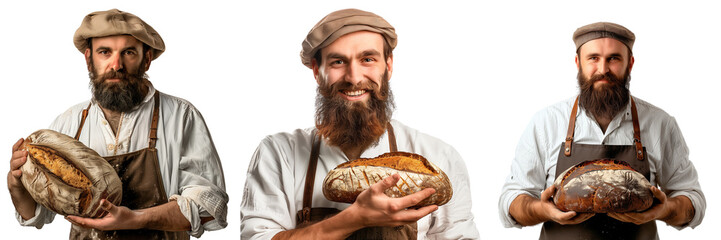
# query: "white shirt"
[[273, 191], [534, 167], [189, 164]]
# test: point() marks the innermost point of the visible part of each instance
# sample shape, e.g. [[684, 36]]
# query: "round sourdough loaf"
[[602, 186], [347, 180], [67, 177]]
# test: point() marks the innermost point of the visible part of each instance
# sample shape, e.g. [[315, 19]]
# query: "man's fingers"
[[657, 193], [386, 183], [17, 145], [413, 199], [18, 160], [16, 173], [412, 215], [109, 207], [548, 193]]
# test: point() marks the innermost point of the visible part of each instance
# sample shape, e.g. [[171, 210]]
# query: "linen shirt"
[[534, 167], [273, 191], [189, 164]]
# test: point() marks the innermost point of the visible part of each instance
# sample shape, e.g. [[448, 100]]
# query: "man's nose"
[[354, 74], [602, 67], [116, 62]]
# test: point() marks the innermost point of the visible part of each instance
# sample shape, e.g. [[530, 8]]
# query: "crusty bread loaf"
[[602, 186], [67, 177], [347, 180]]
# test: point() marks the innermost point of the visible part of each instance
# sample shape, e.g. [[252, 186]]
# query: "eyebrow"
[[124, 49], [369, 52]]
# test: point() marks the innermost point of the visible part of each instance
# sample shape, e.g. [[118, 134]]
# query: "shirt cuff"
[[42, 216], [699, 206], [200, 201]]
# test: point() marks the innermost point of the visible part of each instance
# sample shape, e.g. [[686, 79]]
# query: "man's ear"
[[87, 58], [575, 59], [316, 70], [630, 63], [149, 54], [389, 66]]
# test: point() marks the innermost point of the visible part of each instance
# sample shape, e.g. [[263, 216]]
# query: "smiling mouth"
[[354, 93]]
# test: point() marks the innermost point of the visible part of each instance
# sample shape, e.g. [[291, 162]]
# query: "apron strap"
[[391, 138], [82, 120], [154, 124], [636, 131], [310, 179], [571, 128]]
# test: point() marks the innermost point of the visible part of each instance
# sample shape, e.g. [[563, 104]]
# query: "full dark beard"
[[353, 125], [608, 100], [120, 96]]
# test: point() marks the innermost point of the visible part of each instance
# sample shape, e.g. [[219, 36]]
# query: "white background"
[[470, 73]]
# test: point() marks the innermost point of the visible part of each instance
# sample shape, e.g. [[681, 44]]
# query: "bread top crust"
[[594, 165], [402, 161], [54, 162]]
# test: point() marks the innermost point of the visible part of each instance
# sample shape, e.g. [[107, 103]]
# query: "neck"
[[113, 119], [353, 154], [603, 122]]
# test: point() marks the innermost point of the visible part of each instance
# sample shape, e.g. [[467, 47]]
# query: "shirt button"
[[105, 122], [111, 147]]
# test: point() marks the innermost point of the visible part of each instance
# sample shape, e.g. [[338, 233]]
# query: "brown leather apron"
[[601, 226], [309, 215], [142, 186]]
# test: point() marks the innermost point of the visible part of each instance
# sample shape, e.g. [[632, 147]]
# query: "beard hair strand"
[[606, 101]]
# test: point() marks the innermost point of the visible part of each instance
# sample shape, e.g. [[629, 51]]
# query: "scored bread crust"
[[602, 186], [347, 180], [66, 176]]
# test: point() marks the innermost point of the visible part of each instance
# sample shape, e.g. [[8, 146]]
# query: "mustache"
[[333, 90], [608, 76]]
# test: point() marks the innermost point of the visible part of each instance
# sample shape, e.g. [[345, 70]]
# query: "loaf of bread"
[[67, 177], [602, 186], [347, 180]]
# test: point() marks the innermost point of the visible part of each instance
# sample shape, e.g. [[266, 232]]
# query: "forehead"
[[603, 46], [116, 41], [355, 43]]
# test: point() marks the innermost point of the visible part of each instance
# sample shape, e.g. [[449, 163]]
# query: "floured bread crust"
[[347, 180], [67, 177], [602, 186]]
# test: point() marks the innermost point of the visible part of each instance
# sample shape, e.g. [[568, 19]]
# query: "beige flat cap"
[[116, 22], [603, 30], [342, 22]]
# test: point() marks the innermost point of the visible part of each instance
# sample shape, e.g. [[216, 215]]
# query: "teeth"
[[354, 93]]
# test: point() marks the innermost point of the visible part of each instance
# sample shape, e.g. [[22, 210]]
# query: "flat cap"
[[116, 22], [603, 30], [342, 22]]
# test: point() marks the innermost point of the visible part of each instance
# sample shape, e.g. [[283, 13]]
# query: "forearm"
[[339, 226], [166, 217], [681, 211], [24, 204], [524, 209]]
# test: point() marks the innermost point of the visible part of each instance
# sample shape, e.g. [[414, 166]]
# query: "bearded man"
[[604, 116], [173, 184], [350, 53]]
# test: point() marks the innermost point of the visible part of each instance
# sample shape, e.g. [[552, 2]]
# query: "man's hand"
[[118, 218], [24, 203], [371, 208], [165, 217], [556, 215], [527, 210], [374, 208], [675, 211]]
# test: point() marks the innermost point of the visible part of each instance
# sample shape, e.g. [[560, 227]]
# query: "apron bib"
[[309, 215], [601, 226], [142, 186]]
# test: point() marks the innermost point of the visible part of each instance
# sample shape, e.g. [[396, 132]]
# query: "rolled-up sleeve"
[[528, 172], [42, 216], [677, 175], [202, 184], [266, 209], [454, 220]]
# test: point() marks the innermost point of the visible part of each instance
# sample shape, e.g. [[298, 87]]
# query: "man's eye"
[[129, 53], [336, 62], [368, 59], [103, 52]]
